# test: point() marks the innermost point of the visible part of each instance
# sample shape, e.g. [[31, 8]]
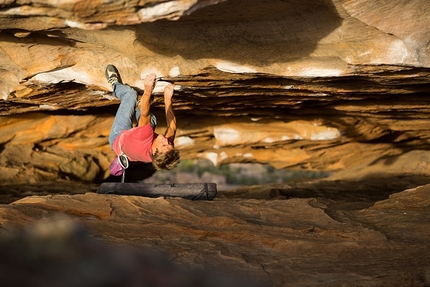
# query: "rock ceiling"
[[328, 85], [318, 85]]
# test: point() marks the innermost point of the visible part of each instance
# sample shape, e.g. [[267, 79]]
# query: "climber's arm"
[[145, 102], [170, 115]]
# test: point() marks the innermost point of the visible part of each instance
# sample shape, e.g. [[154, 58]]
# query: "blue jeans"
[[126, 111]]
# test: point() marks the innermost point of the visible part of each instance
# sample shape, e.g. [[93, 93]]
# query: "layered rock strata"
[[272, 242], [311, 84]]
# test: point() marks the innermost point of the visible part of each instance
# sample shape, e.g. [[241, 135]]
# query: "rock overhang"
[[356, 82]]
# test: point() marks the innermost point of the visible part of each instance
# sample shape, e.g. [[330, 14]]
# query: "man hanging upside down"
[[141, 143]]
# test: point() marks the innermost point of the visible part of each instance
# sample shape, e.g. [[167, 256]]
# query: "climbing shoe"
[[112, 75]]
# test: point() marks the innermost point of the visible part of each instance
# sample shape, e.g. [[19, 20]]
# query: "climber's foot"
[[112, 75]]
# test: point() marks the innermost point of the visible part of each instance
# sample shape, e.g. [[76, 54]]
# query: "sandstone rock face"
[[317, 85], [272, 242], [329, 85]]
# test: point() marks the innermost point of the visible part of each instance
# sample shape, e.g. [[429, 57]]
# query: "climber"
[[141, 143]]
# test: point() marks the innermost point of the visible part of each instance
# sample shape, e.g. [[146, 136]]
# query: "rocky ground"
[[305, 233]]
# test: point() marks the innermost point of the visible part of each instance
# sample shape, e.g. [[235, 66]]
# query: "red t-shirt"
[[136, 143]]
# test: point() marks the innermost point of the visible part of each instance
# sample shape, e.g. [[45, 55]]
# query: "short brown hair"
[[167, 160]]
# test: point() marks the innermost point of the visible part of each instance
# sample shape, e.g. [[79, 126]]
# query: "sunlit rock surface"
[[338, 86], [278, 242], [317, 85]]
